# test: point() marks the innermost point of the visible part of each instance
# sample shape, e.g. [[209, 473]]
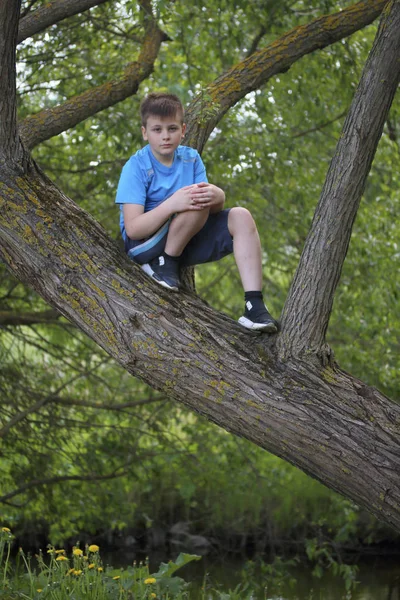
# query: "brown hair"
[[161, 105]]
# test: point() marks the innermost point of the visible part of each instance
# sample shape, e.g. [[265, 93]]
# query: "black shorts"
[[211, 243]]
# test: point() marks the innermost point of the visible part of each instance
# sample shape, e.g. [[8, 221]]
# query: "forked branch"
[[309, 304]]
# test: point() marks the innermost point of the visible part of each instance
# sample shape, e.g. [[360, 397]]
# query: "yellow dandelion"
[[59, 551], [6, 530], [61, 557], [152, 595], [71, 571], [39, 590], [77, 552], [150, 580], [117, 577], [91, 566], [93, 548], [77, 572], [100, 569]]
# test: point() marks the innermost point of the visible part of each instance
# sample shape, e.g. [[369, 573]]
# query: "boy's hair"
[[163, 105]]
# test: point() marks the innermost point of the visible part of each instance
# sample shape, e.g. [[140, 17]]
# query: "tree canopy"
[[280, 96]]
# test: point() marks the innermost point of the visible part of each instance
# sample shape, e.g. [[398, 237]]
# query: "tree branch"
[[318, 127], [257, 38], [43, 400], [208, 108], [51, 13], [118, 472], [15, 319], [104, 406], [50, 122], [309, 304], [27, 8], [10, 148]]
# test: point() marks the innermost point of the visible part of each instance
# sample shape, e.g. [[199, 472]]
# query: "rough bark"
[[317, 417], [208, 108], [308, 307], [10, 149], [51, 13], [50, 122]]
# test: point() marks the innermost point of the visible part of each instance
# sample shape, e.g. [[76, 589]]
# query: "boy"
[[171, 216]]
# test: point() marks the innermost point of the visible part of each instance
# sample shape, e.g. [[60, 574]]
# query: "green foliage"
[[75, 456], [270, 578], [322, 557], [82, 576]]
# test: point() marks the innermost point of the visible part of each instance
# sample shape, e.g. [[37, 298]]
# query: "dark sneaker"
[[163, 272], [258, 320]]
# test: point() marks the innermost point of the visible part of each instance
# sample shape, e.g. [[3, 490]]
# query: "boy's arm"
[[140, 224]]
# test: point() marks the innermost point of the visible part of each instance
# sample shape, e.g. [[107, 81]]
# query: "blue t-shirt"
[[146, 181]]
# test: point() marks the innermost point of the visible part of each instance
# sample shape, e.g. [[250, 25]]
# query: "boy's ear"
[[183, 129], [144, 133]]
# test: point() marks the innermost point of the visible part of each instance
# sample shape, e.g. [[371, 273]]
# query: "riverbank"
[[90, 572]]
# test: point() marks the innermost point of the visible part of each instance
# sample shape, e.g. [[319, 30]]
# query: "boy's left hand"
[[207, 195]]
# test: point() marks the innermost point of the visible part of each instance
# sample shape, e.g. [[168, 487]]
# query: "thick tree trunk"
[[317, 417], [10, 148], [51, 13], [308, 307]]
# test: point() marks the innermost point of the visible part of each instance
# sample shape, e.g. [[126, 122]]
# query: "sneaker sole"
[[268, 327], [149, 271]]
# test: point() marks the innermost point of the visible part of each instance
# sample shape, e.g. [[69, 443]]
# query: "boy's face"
[[164, 135]]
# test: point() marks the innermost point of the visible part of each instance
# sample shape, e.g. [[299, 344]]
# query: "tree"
[[286, 392]]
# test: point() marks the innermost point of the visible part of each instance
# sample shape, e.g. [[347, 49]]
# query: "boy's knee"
[[189, 220], [241, 218]]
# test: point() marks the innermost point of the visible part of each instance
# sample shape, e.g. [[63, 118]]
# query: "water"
[[378, 580], [378, 577]]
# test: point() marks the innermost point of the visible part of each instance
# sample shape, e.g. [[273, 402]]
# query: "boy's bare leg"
[[183, 227], [165, 268], [246, 247], [247, 252]]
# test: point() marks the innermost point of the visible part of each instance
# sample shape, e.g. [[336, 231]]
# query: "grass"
[[81, 575]]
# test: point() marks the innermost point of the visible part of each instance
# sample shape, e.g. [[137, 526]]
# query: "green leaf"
[[167, 569]]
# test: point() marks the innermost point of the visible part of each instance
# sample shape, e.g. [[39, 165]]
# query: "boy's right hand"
[[183, 200]]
